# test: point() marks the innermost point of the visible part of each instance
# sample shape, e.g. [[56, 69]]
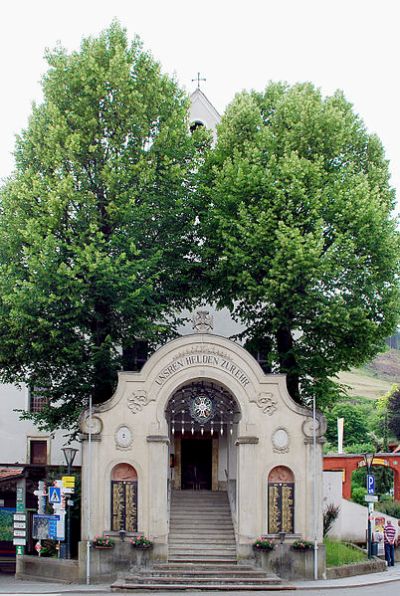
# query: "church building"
[[201, 451]]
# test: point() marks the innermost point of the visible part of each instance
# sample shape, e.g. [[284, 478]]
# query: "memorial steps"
[[202, 551]]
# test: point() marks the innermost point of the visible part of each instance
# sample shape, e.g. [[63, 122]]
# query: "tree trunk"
[[287, 361]]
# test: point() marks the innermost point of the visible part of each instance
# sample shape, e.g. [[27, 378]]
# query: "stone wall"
[[46, 568], [291, 564], [105, 564]]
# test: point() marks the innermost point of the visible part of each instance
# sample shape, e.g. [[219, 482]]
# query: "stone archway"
[[202, 417]]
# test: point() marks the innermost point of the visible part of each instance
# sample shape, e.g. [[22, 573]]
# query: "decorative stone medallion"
[[123, 437], [92, 425], [308, 427], [280, 440]]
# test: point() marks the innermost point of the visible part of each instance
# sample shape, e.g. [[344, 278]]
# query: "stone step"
[[210, 571], [230, 566], [200, 509], [192, 537], [190, 547], [124, 587], [209, 540], [218, 553], [201, 558], [227, 575], [203, 581], [198, 522], [207, 513]]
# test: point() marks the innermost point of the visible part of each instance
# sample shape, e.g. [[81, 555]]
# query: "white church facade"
[[202, 416]]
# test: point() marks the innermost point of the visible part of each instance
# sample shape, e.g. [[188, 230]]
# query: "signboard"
[[370, 484], [68, 481], [378, 523], [49, 527], [54, 495], [19, 542], [19, 526], [371, 498], [19, 517]]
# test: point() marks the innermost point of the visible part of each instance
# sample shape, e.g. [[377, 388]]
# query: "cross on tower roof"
[[198, 79]]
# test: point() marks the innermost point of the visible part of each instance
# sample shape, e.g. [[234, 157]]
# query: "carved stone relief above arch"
[[267, 403], [137, 400]]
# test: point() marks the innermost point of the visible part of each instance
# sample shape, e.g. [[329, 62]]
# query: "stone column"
[[247, 499], [158, 518], [306, 524], [91, 504]]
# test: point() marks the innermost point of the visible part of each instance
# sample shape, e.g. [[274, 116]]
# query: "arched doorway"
[[202, 417]]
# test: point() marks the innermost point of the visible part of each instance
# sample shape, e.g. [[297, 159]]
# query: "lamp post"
[[315, 495], [69, 455], [369, 458]]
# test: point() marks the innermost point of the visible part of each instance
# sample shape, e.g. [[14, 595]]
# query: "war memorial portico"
[[201, 416]]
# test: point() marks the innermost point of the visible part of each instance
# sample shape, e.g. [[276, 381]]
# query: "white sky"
[[347, 44]]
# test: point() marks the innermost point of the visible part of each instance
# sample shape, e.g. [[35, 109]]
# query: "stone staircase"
[[202, 551], [201, 528]]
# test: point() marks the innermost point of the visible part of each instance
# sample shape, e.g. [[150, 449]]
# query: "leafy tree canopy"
[[300, 237], [393, 411], [356, 422], [96, 224]]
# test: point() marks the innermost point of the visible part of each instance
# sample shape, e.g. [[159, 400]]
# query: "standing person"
[[389, 534]]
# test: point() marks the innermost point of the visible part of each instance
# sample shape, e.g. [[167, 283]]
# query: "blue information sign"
[[370, 484]]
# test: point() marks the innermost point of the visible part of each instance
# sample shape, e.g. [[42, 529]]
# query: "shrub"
[[357, 494], [330, 514], [390, 508]]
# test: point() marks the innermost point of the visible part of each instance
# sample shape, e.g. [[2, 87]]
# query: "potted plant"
[[103, 542], [302, 545], [263, 544], [140, 541]]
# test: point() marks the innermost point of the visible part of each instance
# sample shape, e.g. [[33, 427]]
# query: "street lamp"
[[369, 458], [69, 455]]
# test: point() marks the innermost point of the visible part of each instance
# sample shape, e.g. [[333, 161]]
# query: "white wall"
[[15, 433], [352, 522]]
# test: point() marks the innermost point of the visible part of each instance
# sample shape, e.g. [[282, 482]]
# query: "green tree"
[[393, 411], [96, 224], [300, 239], [356, 422]]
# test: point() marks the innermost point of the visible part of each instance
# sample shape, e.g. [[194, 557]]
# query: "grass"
[[339, 553], [361, 383]]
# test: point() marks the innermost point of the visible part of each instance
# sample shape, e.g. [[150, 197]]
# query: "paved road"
[[375, 590], [375, 584]]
